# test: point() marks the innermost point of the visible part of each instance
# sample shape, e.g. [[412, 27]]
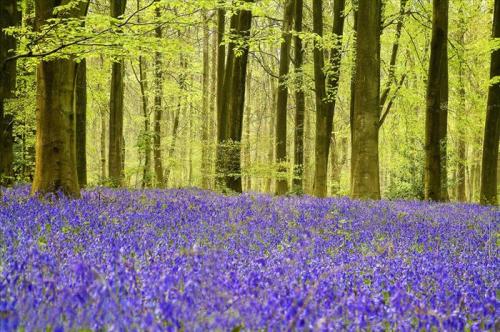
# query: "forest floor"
[[196, 261]]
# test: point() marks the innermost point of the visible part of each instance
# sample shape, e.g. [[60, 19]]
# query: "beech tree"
[[489, 179], [300, 103], [232, 103], [116, 158], [364, 154], [435, 121], [9, 17], [282, 103], [55, 161]]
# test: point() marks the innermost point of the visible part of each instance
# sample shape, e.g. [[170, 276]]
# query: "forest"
[[241, 165]]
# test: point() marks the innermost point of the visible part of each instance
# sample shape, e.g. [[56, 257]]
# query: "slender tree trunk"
[[158, 111], [353, 83], [391, 77], [282, 104], [333, 86], [271, 128], [146, 140], [489, 179], [248, 117], [221, 54], [300, 103], [55, 160], [116, 139], [364, 154], [443, 131], [461, 145], [81, 122], [171, 150], [213, 111], [206, 146], [434, 117]]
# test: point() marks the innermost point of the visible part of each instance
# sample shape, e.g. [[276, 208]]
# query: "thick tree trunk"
[[55, 161], [364, 154], [231, 120], [6, 147], [434, 109], [282, 104], [116, 139], [300, 103], [146, 140], [55, 157], [324, 107], [9, 16], [81, 122], [489, 179], [206, 146]]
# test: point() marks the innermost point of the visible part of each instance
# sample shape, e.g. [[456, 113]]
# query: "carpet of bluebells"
[[196, 261]]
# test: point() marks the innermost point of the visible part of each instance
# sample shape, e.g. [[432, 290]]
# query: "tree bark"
[[231, 121], [205, 149], [9, 16], [158, 109], [489, 173], [364, 154], [434, 109], [324, 111], [81, 122], [461, 113], [116, 139], [6, 147], [300, 103], [146, 140], [55, 156], [282, 103]]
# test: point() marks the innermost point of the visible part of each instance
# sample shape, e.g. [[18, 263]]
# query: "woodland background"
[[168, 50]]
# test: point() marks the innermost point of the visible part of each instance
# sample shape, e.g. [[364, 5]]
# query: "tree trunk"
[[271, 127], [205, 149], [146, 140], [248, 146], [443, 131], [353, 84], [324, 106], [489, 180], [116, 139], [6, 147], [434, 109], [391, 77], [282, 103], [364, 154], [9, 16], [461, 112], [81, 122], [300, 104], [158, 111], [231, 120], [55, 156]]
